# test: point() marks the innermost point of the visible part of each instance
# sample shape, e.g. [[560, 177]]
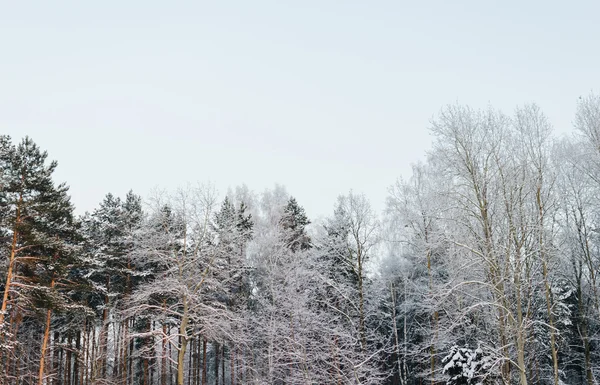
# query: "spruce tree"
[[294, 222], [110, 233]]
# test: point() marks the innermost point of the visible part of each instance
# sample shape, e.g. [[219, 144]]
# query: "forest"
[[484, 268]]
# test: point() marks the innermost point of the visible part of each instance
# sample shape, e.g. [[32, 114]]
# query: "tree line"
[[482, 269]]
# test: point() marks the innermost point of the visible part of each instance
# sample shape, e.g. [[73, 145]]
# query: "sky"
[[320, 96]]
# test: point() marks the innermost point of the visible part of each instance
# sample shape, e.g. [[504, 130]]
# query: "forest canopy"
[[483, 269]]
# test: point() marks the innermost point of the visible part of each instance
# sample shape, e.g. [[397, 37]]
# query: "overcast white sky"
[[321, 96]]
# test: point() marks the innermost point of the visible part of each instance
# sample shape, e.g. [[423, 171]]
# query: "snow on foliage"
[[466, 366]]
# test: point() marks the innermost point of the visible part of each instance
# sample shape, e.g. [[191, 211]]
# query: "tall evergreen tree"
[[294, 222], [38, 218]]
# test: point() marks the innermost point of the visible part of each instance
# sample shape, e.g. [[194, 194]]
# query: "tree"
[[233, 230], [361, 225], [342, 298], [418, 263], [110, 240], [294, 222], [38, 218], [575, 160], [178, 240], [466, 366]]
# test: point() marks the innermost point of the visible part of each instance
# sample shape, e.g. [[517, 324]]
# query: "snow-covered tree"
[[466, 366]]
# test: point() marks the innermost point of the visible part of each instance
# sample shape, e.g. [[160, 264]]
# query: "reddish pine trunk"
[[11, 261], [45, 342]]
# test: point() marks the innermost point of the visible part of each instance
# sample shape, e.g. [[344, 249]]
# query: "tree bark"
[[223, 364], [69, 358], [104, 333], [55, 356], [216, 363], [163, 371], [182, 344], [77, 358], [204, 379], [232, 364], [11, 263], [45, 342]]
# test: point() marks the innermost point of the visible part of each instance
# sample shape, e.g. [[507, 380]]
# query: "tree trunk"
[[170, 357], [542, 252], [163, 371], [336, 365], [232, 364], [117, 331], [191, 362], [45, 342], [204, 379], [93, 358], [238, 365], [104, 333], [69, 358], [521, 358], [223, 363], [147, 342], [127, 361], [16, 320], [124, 350], [551, 323], [216, 363], [86, 355], [588, 363], [396, 340], [363, 336], [435, 314], [182, 344], [198, 370], [11, 263], [55, 357], [77, 358]]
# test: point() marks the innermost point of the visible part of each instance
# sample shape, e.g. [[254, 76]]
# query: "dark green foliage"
[[233, 229], [294, 222], [40, 242], [40, 214], [110, 233]]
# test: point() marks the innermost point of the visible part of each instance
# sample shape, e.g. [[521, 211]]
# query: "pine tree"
[[38, 216]]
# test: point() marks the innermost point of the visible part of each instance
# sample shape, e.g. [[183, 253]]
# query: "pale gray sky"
[[321, 96]]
